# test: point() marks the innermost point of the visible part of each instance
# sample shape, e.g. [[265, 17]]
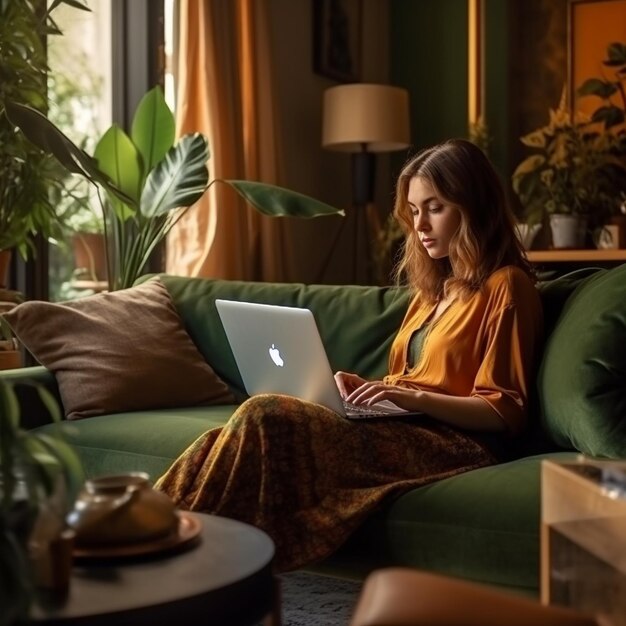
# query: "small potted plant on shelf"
[[571, 176], [150, 181]]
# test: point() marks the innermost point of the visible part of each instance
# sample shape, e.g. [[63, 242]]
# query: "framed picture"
[[337, 39], [592, 26]]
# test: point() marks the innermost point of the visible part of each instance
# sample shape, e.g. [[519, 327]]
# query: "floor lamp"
[[364, 119]]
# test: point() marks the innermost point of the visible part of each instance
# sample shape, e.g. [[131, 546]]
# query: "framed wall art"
[[337, 39]]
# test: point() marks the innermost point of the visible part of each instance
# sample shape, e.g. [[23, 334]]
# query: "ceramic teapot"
[[121, 509]]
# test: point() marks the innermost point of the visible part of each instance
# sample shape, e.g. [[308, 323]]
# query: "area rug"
[[316, 600]]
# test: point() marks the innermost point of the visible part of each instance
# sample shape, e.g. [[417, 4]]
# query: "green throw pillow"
[[582, 377]]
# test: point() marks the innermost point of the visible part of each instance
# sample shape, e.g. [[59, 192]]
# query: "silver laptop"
[[278, 349]]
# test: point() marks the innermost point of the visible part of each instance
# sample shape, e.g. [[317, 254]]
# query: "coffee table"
[[222, 577]]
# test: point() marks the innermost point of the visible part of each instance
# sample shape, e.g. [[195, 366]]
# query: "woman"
[[463, 355]]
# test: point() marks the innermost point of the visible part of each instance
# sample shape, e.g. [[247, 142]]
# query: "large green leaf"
[[152, 129], [46, 136], [179, 179], [118, 158], [39, 130], [281, 202]]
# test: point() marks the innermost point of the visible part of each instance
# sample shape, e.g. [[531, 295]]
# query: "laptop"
[[278, 349]]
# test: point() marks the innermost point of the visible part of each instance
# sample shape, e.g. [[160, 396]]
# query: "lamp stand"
[[363, 177]]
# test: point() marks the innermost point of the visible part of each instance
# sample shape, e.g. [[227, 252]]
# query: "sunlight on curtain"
[[224, 90]]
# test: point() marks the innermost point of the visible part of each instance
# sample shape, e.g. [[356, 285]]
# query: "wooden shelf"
[[576, 256]]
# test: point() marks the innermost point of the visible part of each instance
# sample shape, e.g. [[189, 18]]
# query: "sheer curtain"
[[224, 90]]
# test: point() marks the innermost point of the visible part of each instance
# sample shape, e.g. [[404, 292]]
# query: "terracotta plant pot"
[[5, 264], [90, 255], [10, 357]]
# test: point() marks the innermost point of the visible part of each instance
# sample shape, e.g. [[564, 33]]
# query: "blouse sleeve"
[[505, 374]]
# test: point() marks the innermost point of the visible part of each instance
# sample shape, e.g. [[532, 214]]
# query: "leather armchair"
[[406, 597]]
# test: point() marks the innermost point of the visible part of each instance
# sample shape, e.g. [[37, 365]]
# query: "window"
[[100, 67], [80, 95]]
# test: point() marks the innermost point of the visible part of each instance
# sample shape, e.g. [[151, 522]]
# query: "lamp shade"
[[362, 116]]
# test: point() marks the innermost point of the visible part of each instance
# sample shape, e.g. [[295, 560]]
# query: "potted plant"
[[40, 476], [570, 179], [149, 180], [26, 173], [86, 238]]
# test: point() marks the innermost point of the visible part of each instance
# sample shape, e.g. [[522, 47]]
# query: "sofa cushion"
[[147, 441], [482, 525], [120, 351], [582, 378]]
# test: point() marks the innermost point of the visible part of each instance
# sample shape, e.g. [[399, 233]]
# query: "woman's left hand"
[[466, 412]]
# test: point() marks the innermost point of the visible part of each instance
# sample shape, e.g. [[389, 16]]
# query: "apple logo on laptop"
[[275, 356]]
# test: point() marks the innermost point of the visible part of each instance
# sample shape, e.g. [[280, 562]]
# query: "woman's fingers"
[[347, 383], [364, 392]]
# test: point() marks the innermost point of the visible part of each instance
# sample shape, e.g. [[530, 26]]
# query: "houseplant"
[[26, 173], [611, 114], [149, 181], [39, 478], [571, 176]]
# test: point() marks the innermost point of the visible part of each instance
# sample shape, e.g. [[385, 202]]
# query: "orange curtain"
[[224, 90]]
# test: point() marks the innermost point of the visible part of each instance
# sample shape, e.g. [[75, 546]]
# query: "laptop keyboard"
[[366, 411]]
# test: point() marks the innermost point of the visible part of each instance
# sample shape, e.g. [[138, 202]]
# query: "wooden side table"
[[583, 537], [224, 578]]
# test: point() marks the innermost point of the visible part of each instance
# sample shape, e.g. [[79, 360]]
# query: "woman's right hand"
[[347, 383]]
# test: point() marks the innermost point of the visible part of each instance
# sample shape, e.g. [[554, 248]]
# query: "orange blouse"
[[481, 347]]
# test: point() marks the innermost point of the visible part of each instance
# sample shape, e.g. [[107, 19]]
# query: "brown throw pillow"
[[121, 351]]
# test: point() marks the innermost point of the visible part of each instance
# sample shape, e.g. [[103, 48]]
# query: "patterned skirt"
[[309, 477]]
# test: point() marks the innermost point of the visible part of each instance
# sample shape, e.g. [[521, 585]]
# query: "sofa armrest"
[[33, 412]]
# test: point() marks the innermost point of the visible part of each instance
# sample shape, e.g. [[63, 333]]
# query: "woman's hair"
[[462, 176]]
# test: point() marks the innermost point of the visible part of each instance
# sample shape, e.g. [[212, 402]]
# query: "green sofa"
[[482, 525]]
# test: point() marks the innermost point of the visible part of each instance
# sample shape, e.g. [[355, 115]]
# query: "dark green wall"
[[525, 70], [428, 56], [496, 105]]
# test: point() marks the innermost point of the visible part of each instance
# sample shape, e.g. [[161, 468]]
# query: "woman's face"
[[434, 220]]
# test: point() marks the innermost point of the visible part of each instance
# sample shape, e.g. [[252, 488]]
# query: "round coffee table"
[[223, 577]]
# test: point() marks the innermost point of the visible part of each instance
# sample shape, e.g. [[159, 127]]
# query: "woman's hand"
[[375, 391], [347, 383], [471, 413]]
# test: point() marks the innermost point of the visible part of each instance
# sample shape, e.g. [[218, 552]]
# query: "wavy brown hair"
[[462, 176]]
